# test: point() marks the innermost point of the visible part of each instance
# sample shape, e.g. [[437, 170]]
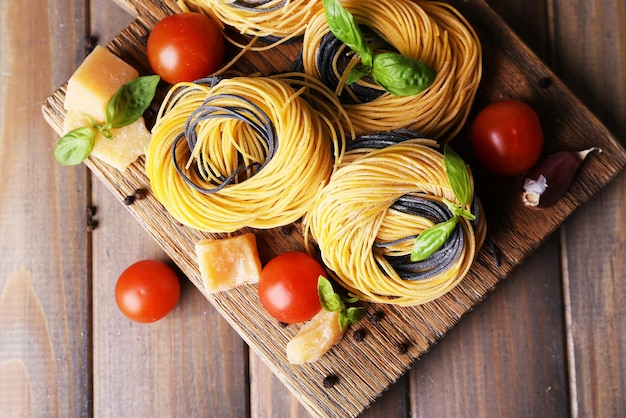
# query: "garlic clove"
[[548, 181]]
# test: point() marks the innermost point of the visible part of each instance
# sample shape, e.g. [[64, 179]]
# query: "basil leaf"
[[343, 25], [131, 100], [75, 146], [350, 316], [355, 74], [107, 134], [400, 75], [458, 176], [353, 299], [431, 239], [330, 300], [459, 210]]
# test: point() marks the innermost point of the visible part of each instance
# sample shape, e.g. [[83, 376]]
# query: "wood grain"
[[44, 281], [517, 331], [510, 233], [501, 344], [489, 326], [591, 36]]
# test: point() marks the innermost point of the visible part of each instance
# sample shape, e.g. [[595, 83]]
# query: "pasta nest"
[[432, 32], [240, 152], [374, 206]]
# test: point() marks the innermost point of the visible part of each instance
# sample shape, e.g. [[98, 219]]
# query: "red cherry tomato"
[[185, 47], [147, 291], [507, 137], [288, 287]]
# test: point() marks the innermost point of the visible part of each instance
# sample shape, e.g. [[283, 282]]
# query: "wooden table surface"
[[550, 341]]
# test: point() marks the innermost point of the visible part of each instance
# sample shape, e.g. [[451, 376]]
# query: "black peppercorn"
[[90, 211], [401, 348], [376, 317], [129, 200], [358, 334], [90, 43], [545, 82], [140, 194], [330, 381], [91, 224]]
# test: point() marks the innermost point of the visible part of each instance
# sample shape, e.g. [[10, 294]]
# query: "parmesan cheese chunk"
[[315, 338], [95, 81], [89, 91], [127, 143], [229, 262]]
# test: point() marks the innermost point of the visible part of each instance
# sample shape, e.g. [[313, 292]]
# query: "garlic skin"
[[548, 181], [533, 189]]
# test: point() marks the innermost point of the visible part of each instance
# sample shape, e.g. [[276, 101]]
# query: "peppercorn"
[[90, 211], [129, 200], [545, 82], [330, 381], [359, 335], [376, 317], [140, 194], [90, 43], [91, 224], [401, 348]]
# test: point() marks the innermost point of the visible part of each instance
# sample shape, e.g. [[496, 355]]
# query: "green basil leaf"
[[345, 28], [355, 74], [431, 239], [465, 213], [400, 75], [93, 122], [459, 210], [330, 300], [106, 133], [350, 316], [458, 176], [75, 146], [353, 299], [131, 100]]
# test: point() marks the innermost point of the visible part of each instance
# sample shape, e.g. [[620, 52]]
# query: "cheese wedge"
[[122, 150], [89, 91], [95, 81], [229, 262], [315, 338]]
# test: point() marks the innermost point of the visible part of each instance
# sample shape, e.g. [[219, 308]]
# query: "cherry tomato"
[[288, 287], [185, 47], [147, 291], [507, 137]]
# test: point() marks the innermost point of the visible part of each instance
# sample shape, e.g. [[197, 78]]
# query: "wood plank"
[[470, 373], [508, 56], [190, 363], [44, 274], [590, 53]]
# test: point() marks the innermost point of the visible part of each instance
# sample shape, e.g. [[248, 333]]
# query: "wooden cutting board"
[[365, 369]]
